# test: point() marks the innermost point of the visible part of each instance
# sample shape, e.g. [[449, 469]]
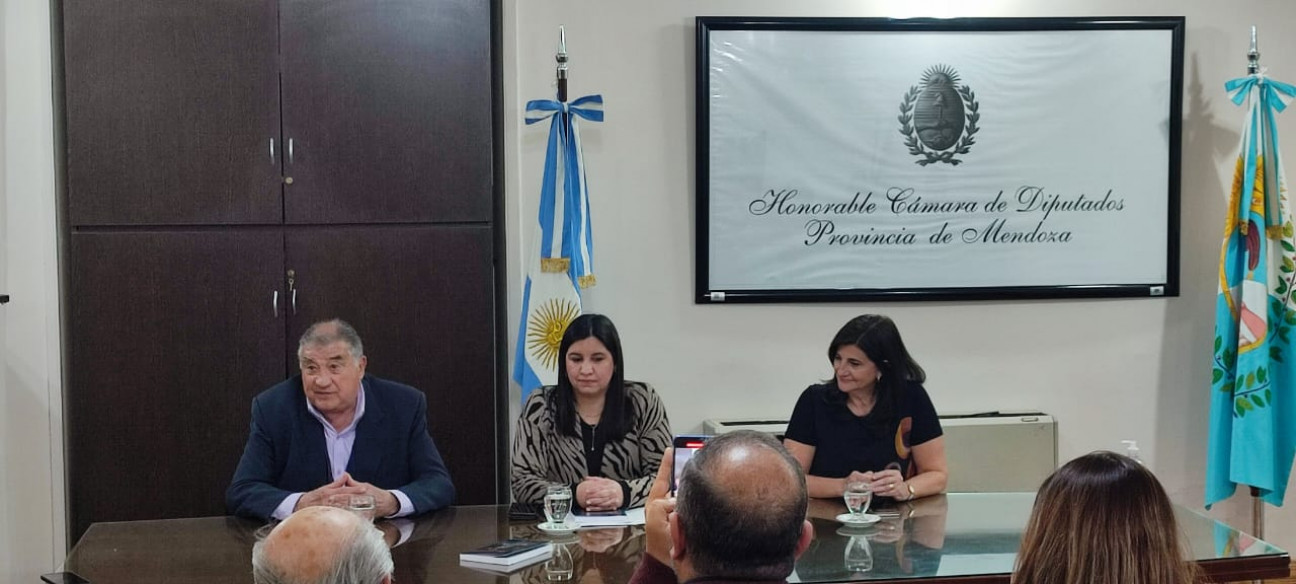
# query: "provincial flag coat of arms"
[[1252, 435]]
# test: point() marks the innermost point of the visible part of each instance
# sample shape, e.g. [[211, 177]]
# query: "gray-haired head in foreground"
[[363, 558], [741, 505], [327, 332]]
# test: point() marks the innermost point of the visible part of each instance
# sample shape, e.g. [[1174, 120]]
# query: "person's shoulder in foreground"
[[1086, 506], [739, 515], [322, 545]]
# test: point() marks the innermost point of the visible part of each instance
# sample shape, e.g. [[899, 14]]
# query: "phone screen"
[[684, 446]]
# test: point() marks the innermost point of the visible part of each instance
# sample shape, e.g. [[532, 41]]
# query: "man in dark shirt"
[[739, 515]]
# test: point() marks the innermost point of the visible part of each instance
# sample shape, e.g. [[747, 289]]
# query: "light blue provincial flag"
[[560, 259], [1252, 436]]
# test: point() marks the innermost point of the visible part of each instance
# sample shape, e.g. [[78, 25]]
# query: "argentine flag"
[[1252, 437], [560, 259]]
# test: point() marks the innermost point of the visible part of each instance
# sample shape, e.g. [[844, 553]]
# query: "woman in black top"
[[872, 422]]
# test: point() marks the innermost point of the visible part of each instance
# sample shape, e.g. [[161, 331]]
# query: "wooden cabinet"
[[399, 131], [170, 108], [164, 361], [174, 111], [422, 299], [238, 169]]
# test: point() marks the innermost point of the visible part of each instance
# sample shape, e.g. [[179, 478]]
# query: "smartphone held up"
[[685, 446]]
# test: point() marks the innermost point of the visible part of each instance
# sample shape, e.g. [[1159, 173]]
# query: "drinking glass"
[[859, 554], [557, 503], [560, 566], [362, 505], [858, 495]]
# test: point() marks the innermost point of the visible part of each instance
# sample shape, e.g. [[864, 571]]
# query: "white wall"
[[32, 535], [1108, 369]]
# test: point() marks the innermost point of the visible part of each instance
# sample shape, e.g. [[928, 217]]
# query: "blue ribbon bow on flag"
[[562, 254], [1252, 436], [569, 236]]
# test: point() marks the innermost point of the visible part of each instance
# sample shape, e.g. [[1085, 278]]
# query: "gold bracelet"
[[912, 494]]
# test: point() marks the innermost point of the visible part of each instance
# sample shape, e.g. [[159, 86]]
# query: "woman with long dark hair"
[[872, 422], [1103, 517], [594, 430]]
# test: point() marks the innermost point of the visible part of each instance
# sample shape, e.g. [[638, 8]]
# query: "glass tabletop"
[[935, 539]]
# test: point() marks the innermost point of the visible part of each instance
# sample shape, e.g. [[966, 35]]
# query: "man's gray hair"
[[367, 560], [327, 332], [735, 537]]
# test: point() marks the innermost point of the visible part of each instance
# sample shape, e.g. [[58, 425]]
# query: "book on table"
[[507, 553], [608, 518]]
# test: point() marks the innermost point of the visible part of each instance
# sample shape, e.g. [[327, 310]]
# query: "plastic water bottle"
[[1132, 450]]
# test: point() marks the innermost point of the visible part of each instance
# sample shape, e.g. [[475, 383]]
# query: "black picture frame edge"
[[937, 294], [994, 24]]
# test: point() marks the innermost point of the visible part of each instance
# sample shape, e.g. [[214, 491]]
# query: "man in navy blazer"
[[335, 431]]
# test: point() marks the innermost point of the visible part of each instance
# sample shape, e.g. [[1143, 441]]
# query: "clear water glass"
[[557, 503], [560, 567], [858, 496], [360, 504], [363, 505], [859, 554]]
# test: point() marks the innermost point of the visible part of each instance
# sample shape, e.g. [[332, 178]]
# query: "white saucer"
[[858, 521], [557, 528]]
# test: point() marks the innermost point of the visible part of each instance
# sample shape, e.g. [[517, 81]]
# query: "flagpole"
[[563, 248], [1253, 55], [561, 57], [1257, 505]]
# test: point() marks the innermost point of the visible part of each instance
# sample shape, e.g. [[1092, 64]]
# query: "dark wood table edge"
[[1238, 569], [1246, 568], [971, 579]]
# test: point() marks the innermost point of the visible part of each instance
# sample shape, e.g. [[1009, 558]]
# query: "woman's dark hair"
[[878, 338], [616, 417], [1102, 517]]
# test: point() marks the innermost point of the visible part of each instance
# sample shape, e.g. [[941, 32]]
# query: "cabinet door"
[[387, 104], [422, 299], [171, 107], [170, 336]]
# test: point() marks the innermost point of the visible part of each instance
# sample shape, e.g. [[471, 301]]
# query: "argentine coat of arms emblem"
[[938, 117]]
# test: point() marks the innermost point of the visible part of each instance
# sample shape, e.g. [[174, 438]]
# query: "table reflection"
[[906, 543], [936, 539], [601, 555]]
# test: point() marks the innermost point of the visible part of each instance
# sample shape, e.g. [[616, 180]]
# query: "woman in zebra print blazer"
[[595, 431]]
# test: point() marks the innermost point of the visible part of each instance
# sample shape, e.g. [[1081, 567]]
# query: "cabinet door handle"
[[272, 158], [294, 301], [274, 303], [290, 151]]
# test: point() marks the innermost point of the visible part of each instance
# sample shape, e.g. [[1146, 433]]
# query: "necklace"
[[593, 429]]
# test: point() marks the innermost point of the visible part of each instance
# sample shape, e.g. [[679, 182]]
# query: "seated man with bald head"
[[739, 515], [322, 545]]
